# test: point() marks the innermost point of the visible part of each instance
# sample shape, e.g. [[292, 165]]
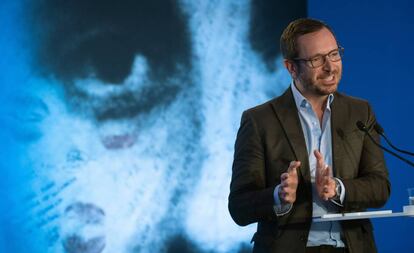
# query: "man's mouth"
[[328, 78]]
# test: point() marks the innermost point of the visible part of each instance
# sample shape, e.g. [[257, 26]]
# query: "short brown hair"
[[295, 29]]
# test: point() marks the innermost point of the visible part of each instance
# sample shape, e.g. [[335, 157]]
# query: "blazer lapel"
[[338, 121], [287, 114]]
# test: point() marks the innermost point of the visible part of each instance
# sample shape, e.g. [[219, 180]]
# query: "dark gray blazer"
[[270, 136]]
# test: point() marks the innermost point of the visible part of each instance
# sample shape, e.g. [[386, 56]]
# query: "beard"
[[320, 86]]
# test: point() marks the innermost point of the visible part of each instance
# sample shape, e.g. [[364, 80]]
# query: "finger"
[[320, 174], [289, 183], [327, 192], [325, 172], [288, 196], [327, 195], [331, 184], [286, 190], [284, 176], [290, 199], [318, 155], [320, 163], [293, 167], [329, 171], [284, 194], [327, 175], [324, 175]]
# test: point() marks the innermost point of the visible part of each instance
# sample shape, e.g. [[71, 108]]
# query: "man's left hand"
[[325, 183]]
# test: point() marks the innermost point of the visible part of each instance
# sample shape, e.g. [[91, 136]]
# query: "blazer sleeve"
[[371, 188], [249, 199]]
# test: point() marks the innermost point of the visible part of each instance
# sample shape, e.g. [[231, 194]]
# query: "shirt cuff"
[[279, 207], [339, 200]]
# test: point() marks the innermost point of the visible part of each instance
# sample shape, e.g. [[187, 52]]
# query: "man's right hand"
[[289, 183]]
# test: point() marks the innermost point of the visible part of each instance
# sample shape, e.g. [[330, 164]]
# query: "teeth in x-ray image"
[[118, 161]]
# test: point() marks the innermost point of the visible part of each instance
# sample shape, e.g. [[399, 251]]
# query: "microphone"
[[361, 126], [380, 131]]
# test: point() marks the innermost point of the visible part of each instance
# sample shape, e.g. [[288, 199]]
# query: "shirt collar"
[[302, 102]]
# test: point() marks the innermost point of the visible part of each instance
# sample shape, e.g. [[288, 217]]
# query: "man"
[[301, 155]]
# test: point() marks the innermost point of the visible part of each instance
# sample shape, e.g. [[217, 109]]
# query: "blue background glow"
[[96, 162]]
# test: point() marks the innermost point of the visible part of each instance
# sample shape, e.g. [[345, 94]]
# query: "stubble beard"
[[318, 88]]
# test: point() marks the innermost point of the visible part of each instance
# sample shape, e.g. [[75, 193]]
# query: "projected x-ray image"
[[120, 128]]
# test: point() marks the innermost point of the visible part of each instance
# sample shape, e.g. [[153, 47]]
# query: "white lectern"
[[408, 211]]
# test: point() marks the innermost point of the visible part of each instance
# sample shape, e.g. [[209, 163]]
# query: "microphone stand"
[[380, 131], [361, 126]]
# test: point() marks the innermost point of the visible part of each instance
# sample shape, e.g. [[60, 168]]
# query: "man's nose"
[[327, 65]]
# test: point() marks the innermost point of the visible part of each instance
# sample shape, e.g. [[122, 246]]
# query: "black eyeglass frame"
[[340, 50]]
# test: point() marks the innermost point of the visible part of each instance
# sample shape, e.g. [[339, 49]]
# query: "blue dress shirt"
[[317, 137]]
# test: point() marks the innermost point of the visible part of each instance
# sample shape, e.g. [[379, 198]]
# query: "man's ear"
[[291, 67]]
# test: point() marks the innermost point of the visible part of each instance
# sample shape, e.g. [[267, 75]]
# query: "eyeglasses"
[[319, 60]]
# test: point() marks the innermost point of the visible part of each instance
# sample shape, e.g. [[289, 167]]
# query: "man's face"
[[322, 80]]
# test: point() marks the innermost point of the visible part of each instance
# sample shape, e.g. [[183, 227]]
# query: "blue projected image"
[[118, 120]]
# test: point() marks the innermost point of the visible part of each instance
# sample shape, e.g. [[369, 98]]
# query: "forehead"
[[319, 42]]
